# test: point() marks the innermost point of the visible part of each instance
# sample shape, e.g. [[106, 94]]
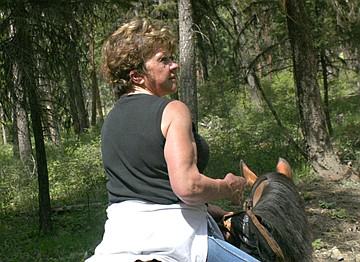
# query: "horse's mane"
[[281, 209]]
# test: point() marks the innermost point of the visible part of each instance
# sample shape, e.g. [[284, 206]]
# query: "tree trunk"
[[25, 148], [49, 121], [26, 63], [14, 130], [326, 89], [75, 85], [188, 88], [96, 102], [45, 221], [9, 81], [321, 154], [52, 125], [75, 95], [3, 130], [20, 113]]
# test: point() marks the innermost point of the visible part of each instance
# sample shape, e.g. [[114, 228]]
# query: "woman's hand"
[[237, 186]]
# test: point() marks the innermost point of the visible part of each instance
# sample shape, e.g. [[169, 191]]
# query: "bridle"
[[269, 239], [256, 191]]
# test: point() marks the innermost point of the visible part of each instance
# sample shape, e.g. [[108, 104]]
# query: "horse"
[[272, 226]]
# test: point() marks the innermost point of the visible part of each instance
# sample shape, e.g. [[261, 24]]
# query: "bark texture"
[[321, 154], [188, 89]]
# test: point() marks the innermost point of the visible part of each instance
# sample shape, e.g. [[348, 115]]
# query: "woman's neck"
[[139, 90]]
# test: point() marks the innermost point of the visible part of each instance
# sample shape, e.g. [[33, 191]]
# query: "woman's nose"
[[174, 65]]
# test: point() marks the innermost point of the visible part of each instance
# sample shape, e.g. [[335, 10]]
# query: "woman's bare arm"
[[187, 182]]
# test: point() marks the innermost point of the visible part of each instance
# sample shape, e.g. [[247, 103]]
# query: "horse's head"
[[273, 224], [282, 167]]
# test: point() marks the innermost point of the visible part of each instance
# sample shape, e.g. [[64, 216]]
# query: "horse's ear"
[[283, 167], [248, 174]]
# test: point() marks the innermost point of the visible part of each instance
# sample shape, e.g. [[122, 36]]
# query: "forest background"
[[263, 79]]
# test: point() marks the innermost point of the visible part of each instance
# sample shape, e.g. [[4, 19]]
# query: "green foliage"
[[326, 205], [17, 183], [342, 214], [236, 129], [78, 197], [318, 244], [345, 112], [218, 95], [307, 196], [223, 151], [74, 168], [78, 165], [281, 91]]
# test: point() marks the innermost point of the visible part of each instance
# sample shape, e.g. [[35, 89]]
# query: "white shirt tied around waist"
[[139, 230]]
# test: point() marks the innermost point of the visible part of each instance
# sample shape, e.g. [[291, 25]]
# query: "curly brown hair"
[[130, 46]]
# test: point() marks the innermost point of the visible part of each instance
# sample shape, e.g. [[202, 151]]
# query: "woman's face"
[[160, 77]]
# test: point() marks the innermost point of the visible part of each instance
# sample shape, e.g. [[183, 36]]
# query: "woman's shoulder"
[[177, 108], [176, 113]]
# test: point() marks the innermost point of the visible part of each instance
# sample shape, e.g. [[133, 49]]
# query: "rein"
[[269, 239]]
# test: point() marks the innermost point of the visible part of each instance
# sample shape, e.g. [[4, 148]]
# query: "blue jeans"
[[220, 251]]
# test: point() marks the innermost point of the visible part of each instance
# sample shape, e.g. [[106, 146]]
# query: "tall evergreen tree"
[[27, 70], [188, 89], [312, 117]]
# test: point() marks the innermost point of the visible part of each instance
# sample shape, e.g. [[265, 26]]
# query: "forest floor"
[[333, 209]]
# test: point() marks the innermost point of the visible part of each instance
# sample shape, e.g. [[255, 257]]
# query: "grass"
[[75, 234]]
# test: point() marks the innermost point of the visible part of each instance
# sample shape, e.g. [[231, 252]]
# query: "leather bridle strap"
[[271, 242]]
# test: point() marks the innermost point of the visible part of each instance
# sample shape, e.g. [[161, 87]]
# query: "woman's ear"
[[136, 77]]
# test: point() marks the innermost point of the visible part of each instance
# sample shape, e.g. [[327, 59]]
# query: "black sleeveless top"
[[133, 151]]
